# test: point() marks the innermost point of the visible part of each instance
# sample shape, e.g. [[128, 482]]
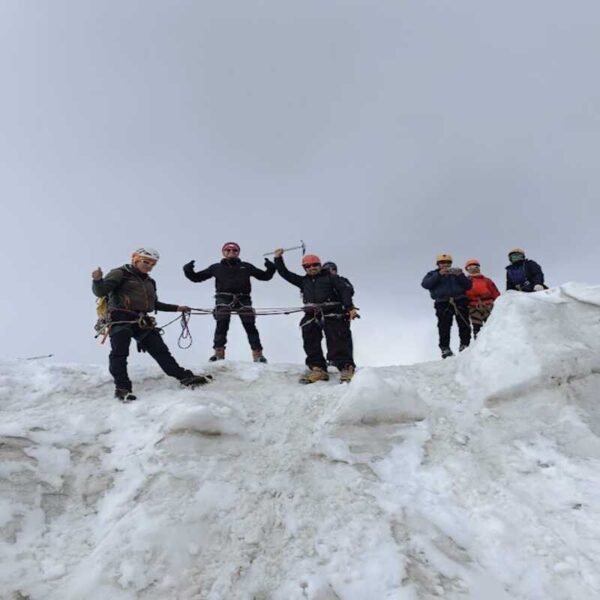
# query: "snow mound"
[[211, 419], [541, 339], [371, 399], [470, 478]]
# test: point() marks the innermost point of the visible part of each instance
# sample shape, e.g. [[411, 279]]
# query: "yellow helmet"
[[443, 257]]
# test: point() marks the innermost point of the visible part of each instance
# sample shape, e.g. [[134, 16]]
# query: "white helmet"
[[146, 252]]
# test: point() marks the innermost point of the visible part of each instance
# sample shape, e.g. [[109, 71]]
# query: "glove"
[[353, 314], [538, 288], [189, 266], [269, 264]]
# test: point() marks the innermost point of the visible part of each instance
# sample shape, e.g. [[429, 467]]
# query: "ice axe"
[[302, 247]]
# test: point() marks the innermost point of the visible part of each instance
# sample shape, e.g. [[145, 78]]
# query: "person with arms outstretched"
[[233, 289]]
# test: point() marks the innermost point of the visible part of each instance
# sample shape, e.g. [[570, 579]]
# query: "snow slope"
[[475, 477]]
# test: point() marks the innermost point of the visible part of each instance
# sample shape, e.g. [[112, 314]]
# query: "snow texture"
[[471, 478]]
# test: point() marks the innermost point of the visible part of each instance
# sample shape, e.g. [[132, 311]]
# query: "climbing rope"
[[457, 312], [185, 337]]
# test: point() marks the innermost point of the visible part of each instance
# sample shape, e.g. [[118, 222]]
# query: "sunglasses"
[[312, 265], [230, 250], [149, 263], [473, 267], [445, 262]]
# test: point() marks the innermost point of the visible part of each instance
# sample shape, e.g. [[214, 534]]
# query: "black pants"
[[150, 341], [243, 304], [337, 336], [446, 312]]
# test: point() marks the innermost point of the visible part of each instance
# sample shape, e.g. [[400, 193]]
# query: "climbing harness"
[[480, 312], [105, 324], [319, 315]]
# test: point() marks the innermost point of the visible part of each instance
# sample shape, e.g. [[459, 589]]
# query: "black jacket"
[[346, 282], [131, 290], [324, 287], [524, 275], [232, 276]]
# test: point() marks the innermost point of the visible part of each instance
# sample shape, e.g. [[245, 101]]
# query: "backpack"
[[102, 325]]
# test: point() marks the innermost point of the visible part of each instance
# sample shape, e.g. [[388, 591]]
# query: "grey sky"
[[381, 133]]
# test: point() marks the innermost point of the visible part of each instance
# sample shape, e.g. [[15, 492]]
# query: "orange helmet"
[[472, 261], [310, 259], [443, 257]]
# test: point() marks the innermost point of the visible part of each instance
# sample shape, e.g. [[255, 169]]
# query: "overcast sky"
[[381, 133]]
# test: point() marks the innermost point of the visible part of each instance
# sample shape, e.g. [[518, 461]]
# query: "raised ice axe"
[[302, 247]]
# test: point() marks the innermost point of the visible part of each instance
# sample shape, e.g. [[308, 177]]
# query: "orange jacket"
[[484, 290]]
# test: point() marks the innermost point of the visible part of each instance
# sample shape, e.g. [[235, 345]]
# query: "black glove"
[[269, 264], [189, 266]]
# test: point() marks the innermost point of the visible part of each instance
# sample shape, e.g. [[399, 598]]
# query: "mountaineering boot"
[[313, 375], [257, 356], [446, 352], [190, 380], [462, 347], [124, 395], [346, 374], [218, 355]]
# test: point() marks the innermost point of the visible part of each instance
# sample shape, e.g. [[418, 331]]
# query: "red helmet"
[[230, 246], [310, 259], [472, 261]]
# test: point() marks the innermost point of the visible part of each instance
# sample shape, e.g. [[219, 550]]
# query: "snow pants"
[[337, 336], [149, 340], [446, 312], [222, 316]]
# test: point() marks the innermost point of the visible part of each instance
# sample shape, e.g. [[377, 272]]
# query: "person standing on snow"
[[328, 304], [331, 268], [481, 295], [131, 296], [523, 274], [233, 288], [447, 287]]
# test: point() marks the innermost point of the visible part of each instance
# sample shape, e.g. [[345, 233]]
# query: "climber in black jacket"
[[233, 288], [328, 304]]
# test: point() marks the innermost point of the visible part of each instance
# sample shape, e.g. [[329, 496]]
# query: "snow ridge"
[[474, 477]]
